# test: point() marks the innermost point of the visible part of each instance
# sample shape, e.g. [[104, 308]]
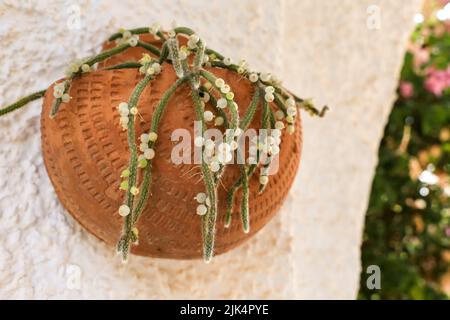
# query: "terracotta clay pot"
[[85, 150]]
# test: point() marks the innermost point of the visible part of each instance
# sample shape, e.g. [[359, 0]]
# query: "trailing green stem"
[[149, 47], [125, 65], [131, 136], [159, 111], [22, 102]]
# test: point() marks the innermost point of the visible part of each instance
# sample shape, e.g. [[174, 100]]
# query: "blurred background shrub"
[[407, 231]]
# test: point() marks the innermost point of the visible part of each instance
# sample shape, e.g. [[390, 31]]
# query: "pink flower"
[[437, 81], [406, 89], [421, 56]]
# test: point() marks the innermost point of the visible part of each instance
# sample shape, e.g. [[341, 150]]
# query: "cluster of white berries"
[[77, 66], [128, 37], [124, 210], [266, 146], [289, 117], [269, 93], [242, 67], [225, 89], [204, 203], [218, 154], [149, 66], [147, 152], [193, 41], [124, 112], [124, 185], [59, 92]]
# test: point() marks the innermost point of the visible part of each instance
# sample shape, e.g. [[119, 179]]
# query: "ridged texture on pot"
[[85, 150]]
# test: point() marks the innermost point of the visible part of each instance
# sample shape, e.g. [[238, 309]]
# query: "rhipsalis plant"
[[279, 109]]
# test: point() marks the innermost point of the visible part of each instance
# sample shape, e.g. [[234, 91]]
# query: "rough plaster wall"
[[322, 49]]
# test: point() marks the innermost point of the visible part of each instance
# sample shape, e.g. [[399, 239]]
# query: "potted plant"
[[111, 132]]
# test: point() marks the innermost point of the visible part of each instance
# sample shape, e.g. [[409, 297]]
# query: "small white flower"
[[208, 116], [224, 157], [291, 111], [263, 180], [265, 77], [191, 44], [290, 119], [274, 150], [182, 55], [124, 120], [279, 125], [58, 91], [253, 77], [209, 144], [243, 63], [134, 190], [123, 106], [149, 154], [279, 115], [200, 197], [171, 34], [218, 121], [201, 210], [222, 103], [227, 61], [126, 34], [133, 41], [224, 147], [225, 89], [134, 111], [85, 68], [124, 113], [290, 102], [269, 89], [144, 138], [66, 98], [276, 133], [74, 67], [219, 82], [269, 97], [157, 67], [152, 136], [198, 141], [154, 28], [194, 38], [150, 71], [206, 97], [143, 147], [124, 210], [214, 166]]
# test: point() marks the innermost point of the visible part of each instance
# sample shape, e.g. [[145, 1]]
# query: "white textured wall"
[[322, 49]]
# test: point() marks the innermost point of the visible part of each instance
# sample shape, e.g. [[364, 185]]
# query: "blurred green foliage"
[[407, 231]]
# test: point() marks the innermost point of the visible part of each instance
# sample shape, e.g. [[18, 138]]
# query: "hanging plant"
[[109, 136]]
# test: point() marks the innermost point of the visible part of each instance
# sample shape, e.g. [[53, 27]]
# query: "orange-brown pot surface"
[[85, 150]]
